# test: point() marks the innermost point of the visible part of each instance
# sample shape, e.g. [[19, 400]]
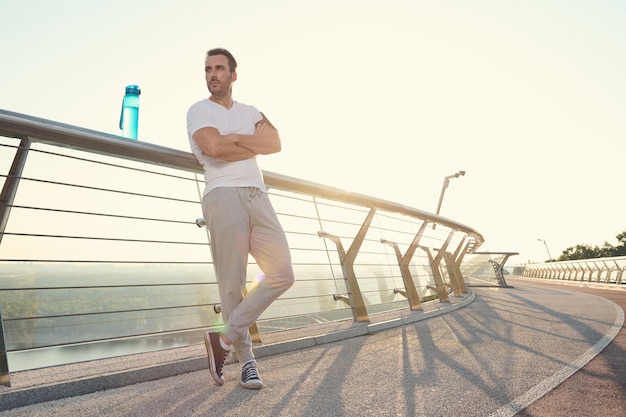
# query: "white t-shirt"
[[240, 118]]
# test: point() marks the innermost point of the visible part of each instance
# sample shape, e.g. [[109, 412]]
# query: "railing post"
[[581, 275], [457, 260], [12, 182], [5, 376], [500, 269], [454, 279], [404, 262], [599, 269], [592, 269], [608, 273], [619, 275], [610, 269], [435, 261], [359, 312]]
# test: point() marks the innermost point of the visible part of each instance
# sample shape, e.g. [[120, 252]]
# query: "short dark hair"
[[232, 64]]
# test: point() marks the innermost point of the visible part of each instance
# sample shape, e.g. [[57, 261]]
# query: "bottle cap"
[[133, 89]]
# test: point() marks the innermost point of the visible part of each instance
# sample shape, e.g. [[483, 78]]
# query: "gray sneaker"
[[250, 376]]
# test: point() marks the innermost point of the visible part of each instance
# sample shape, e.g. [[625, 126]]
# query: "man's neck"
[[226, 101]]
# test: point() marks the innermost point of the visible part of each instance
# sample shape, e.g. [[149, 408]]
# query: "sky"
[[384, 99]]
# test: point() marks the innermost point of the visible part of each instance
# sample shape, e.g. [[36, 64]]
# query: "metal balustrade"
[[100, 253], [600, 270]]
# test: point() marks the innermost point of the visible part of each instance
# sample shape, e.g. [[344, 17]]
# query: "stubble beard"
[[219, 90], [215, 91]]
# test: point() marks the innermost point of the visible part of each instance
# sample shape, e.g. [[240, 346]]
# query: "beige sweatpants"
[[242, 221]]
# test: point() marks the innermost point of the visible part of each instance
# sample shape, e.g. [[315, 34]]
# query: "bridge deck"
[[506, 349]]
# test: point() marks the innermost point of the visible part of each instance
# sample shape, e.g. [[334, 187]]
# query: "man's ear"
[[234, 76]]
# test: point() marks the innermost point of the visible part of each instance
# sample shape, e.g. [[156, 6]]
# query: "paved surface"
[[598, 389], [511, 350]]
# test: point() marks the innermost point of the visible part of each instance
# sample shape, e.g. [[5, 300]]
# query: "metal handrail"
[[440, 261], [22, 126]]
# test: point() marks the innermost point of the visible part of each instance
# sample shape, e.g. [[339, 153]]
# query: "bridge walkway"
[[536, 349]]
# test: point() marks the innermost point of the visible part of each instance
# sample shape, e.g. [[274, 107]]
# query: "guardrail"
[[5, 377], [100, 254], [599, 270]]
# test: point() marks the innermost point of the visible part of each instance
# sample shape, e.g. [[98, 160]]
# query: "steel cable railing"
[[100, 253]]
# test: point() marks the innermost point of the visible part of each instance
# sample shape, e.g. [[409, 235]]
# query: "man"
[[226, 137]]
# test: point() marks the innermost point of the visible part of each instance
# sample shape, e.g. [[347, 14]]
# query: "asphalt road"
[[599, 388], [512, 350]]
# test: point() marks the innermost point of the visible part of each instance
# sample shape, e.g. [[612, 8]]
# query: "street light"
[[544, 242], [446, 181]]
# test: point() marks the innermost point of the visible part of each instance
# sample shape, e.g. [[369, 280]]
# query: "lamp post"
[[548, 250], [446, 181]]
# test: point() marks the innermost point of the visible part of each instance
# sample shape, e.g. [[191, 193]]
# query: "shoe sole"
[[246, 385], [207, 342]]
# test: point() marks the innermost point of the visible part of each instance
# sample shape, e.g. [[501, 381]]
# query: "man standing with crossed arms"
[[226, 137]]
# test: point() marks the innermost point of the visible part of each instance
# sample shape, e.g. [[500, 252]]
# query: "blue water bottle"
[[129, 119]]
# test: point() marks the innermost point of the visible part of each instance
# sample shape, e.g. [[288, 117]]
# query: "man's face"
[[218, 76]]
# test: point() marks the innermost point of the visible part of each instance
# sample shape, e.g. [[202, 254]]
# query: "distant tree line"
[[585, 251]]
